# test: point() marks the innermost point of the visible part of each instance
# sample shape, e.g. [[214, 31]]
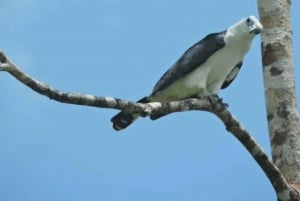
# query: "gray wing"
[[191, 59], [232, 75]]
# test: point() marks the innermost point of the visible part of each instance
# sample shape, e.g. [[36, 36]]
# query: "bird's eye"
[[248, 20]]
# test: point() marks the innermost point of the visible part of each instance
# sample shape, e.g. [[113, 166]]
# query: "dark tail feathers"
[[122, 119]]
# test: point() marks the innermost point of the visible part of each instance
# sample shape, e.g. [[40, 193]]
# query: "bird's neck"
[[238, 40]]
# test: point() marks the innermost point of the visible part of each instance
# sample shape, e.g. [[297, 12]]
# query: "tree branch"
[[155, 110]]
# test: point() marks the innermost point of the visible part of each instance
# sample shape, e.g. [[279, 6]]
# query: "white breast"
[[210, 76]]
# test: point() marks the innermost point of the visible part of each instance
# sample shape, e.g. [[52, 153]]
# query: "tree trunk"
[[278, 72]]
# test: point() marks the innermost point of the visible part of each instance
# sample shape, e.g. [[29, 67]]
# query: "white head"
[[248, 25]]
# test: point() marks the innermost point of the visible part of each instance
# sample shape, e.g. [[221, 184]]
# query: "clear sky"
[[53, 151]]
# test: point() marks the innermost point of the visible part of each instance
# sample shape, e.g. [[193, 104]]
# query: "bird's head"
[[253, 26], [247, 26]]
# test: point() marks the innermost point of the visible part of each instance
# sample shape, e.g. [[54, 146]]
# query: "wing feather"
[[191, 59], [232, 75]]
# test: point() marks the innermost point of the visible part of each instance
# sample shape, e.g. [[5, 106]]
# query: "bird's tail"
[[122, 119]]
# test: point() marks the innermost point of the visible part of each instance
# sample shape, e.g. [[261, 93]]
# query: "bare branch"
[[156, 110]]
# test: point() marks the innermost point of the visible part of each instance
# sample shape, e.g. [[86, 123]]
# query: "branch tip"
[[3, 58]]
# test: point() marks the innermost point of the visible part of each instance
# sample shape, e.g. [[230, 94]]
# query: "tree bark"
[[279, 82]]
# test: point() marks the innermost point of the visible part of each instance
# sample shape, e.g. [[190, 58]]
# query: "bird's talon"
[[225, 105], [215, 99], [220, 100]]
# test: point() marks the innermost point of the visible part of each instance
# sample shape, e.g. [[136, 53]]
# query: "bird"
[[203, 70]]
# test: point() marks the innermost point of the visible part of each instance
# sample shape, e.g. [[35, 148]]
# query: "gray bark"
[[279, 82]]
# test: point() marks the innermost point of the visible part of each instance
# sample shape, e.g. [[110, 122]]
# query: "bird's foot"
[[214, 99]]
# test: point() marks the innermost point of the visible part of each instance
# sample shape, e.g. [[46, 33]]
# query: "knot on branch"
[[145, 109]]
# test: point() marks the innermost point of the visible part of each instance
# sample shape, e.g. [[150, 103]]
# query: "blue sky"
[[53, 151]]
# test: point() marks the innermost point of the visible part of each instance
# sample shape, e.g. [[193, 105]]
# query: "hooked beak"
[[256, 29]]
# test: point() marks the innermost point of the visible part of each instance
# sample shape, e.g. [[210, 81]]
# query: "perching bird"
[[205, 68]]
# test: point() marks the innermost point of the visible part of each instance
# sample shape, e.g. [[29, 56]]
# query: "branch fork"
[[156, 110]]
